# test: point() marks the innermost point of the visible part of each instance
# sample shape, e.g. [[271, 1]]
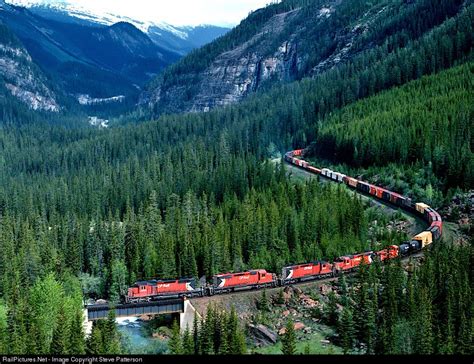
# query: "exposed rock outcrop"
[[262, 334], [22, 79]]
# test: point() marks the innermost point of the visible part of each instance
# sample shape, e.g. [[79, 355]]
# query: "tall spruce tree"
[[288, 341]]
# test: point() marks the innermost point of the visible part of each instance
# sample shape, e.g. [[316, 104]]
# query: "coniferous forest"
[[87, 212]]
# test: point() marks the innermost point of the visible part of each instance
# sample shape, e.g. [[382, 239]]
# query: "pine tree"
[[206, 339], [4, 338], [280, 297], [236, 337], [196, 335], [465, 337], [289, 339], [188, 344], [95, 342], [224, 347], [111, 335], [424, 324], [332, 313], [118, 284], [175, 344], [76, 343], [59, 344], [262, 303], [307, 349], [346, 330]]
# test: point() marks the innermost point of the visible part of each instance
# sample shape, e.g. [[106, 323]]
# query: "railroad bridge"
[[180, 307]]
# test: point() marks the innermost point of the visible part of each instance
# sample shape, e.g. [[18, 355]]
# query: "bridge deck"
[[96, 312]]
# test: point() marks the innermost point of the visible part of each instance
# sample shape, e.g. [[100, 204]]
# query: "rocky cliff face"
[[291, 44], [22, 79], [244, 69], [235, 73]]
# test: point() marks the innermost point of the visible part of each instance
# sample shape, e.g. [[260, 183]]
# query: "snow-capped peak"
[[99, 17]]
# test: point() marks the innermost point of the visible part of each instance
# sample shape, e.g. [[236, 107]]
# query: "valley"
[[142, 159]]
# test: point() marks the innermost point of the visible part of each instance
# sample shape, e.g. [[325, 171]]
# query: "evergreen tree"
[[346, 330], [59, 345], [262, 303], [175, 344], [95, 342], [111, 335], [188, 344], [196, 335], [424, 324], [76, 339], [289, 339], [235, 334]]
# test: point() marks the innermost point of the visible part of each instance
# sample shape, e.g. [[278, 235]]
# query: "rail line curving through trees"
[[154, 290]]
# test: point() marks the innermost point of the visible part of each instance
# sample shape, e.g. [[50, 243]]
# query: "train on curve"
[[256, 279]]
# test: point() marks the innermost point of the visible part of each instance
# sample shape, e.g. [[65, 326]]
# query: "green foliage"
[[51, 323], [105, 338], [262, 303], [289, 339], [280, 297], [219, 333], [346, 330], [428, 313], [188, 344], [175, 343], [427, 121], [193, 194]]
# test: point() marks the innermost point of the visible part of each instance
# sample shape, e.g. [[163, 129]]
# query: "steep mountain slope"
[[177, 39], [289, 41], [20, 78], [101, 61], [428, 120]]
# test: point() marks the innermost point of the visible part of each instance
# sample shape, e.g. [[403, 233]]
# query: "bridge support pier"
[[87, 325], [186, 318]]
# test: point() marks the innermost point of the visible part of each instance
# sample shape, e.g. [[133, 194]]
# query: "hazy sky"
[[175, 12]]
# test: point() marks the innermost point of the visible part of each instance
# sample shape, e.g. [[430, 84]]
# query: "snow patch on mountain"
[[87, 100], [98, 17]]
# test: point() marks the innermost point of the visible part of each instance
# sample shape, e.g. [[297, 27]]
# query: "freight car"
[[420, 241]]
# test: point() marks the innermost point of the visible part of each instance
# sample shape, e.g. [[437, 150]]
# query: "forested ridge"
[[428, 122], [85, 213]]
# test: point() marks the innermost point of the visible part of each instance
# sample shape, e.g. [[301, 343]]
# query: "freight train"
[[260, 278]]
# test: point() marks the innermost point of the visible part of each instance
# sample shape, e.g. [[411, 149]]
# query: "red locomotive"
[[243, 280], [349, 262], [301, 272], [390, 253], [155, 289]]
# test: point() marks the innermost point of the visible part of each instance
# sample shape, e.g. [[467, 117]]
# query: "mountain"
[[81, 59], [172, 38], [289, 41], [20, 78], [184, 39]]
